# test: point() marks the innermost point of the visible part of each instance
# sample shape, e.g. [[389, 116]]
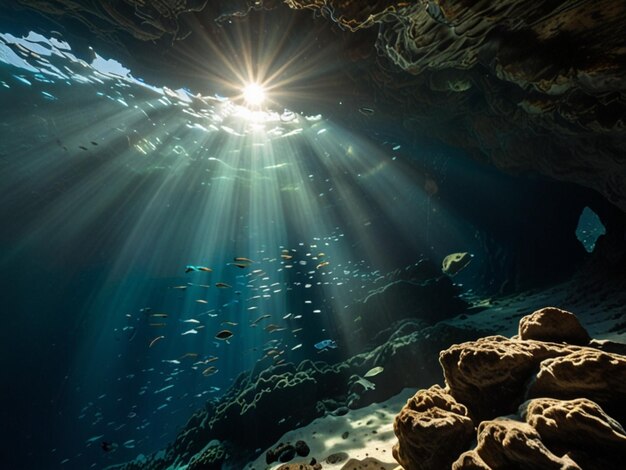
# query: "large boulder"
[[555, 325], [589, 373], [488, 375], [573, 422], [430, 418], [509, 444]]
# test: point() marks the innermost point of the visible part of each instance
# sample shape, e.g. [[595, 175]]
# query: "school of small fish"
[[216, 311]]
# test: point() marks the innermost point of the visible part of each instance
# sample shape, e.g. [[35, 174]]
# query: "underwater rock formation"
[[430, 417], [259, 408], [575, 421], [597, 375], [558, 111], [527, 85], [505, 443], [579, 422], [285, 452], [553, 324], [419, 291], [210, 458]]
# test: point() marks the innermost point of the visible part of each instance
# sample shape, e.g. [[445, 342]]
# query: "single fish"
[[261, 318], [180, 287], [229, 323], [224, 335], [155, 340], [160, 315], [191, 320], [243, 260], [222, 285], [158, 325], [241, 265], [297, 346], [202, 301], [455, 262], [206, 361], [326, 344], [129, 444], [191, 268], [209, 371], [190, 332], [374, 371], [322, 264], [283, 256], [365, 111], [189, 354], [272, 327], [94, 439]]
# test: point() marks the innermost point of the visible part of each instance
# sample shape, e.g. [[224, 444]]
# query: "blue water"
[[110, 187]]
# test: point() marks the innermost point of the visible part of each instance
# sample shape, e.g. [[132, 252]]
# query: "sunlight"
[[191, 179], [254, 94]]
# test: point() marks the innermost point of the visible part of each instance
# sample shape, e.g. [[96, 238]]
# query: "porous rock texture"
[[579, 422], [553, 324], [574, 421], [505, 443], [432, 413], [489, 374], [597, 375]]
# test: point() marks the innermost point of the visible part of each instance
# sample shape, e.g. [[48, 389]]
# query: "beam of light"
[[253, 50], [140, 181]]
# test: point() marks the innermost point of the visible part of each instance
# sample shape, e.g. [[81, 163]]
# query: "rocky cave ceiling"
[[532, 86]]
